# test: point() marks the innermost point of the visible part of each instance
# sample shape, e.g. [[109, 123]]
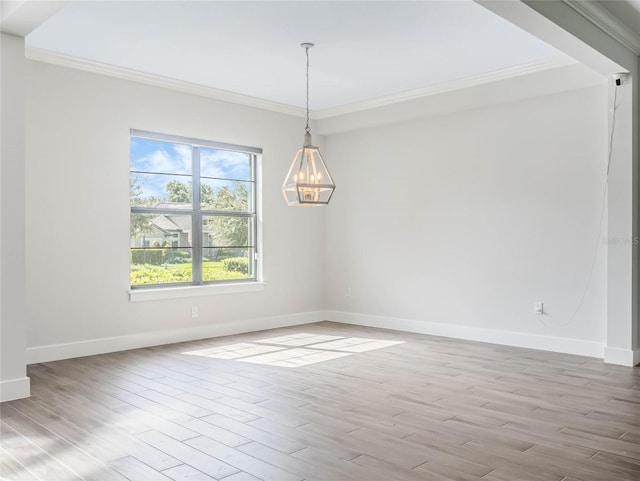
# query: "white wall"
[[587, 33], [77, 210], [13, 381], [456, 225]]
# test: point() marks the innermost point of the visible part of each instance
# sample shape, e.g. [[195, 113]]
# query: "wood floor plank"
[[60, 449], [11, 469], [134, 469], [212, 431], [394, 472], [242, 477], [286, 462], [208, 464], [32, 457], [247, 431], [242, 461], [184, 472]]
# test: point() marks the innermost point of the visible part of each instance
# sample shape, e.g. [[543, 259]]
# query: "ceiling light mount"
[[308, 181]]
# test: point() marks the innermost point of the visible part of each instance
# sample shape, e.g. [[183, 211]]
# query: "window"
[[193, 211]]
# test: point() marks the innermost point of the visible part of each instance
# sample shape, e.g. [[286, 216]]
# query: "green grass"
[[145, 274]]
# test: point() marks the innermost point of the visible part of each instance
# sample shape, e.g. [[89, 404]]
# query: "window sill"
[[138, 295]]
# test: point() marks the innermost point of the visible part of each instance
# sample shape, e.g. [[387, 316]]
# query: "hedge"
[[236, 264], [158, 256], [149, 274], [147, 256]]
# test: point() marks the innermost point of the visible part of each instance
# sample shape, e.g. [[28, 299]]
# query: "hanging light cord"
[[307, 128], [602, 211]]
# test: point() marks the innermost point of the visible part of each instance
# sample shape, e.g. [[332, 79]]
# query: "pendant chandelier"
[[308, 181]]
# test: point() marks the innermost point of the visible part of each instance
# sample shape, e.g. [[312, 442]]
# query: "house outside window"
[[194, 216]]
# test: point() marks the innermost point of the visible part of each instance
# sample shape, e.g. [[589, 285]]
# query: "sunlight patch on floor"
[[234, 351], [295, 357], [301, 339], [294, 350]]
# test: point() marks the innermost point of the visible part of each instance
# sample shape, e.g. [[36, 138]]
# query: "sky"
[[163, 162]]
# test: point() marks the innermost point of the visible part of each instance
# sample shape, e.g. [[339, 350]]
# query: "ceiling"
[[364, 50]]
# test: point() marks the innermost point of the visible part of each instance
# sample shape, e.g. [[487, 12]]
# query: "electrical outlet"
[[194, 311], [538, 308], [347, 292]]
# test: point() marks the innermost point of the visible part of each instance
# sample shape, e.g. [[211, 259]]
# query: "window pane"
[[227, 264], [225, 164], [162, 181], [226, 195], [161, 191], [161, 157], [160, 249], [235, 234]]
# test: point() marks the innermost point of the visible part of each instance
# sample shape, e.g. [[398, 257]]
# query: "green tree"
[[207, 195], [180, 192], [230, 231], [140, 224]]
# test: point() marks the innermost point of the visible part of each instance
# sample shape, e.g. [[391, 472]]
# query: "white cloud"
[[184, 155], [163, 161], [224, 164]]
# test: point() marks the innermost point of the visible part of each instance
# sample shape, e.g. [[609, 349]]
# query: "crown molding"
[[512, 89], [449, 86], [607, 22], [47, 56], [62, 60]]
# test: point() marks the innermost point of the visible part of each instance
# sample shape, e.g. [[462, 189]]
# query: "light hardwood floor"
[[324, 402]]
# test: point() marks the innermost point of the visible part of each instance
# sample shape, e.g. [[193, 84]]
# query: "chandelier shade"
[[308, 182]]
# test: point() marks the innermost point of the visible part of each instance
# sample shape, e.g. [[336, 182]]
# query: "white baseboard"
[[509, 338], [15, 389], [469, 333], [622, 357], [91, 347]]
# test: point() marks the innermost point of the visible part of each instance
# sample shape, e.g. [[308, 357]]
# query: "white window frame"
[[197, 286]]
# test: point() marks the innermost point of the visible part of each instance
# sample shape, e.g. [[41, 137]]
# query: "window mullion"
[[197, 219], [254, 210]]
